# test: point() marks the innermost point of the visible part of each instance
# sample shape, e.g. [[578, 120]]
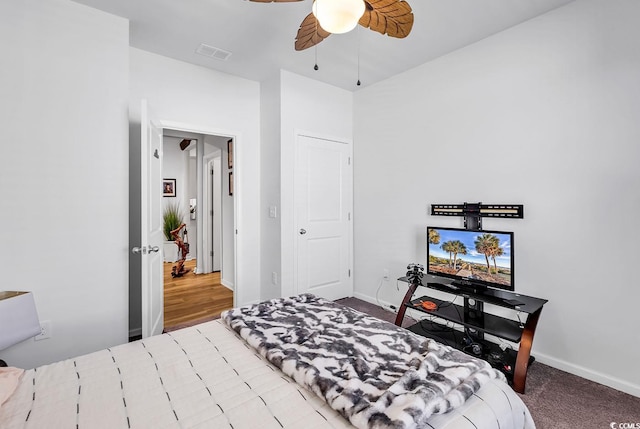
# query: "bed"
[[228, 373]]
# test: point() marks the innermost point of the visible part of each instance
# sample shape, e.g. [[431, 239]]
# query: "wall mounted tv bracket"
[[474, 212]]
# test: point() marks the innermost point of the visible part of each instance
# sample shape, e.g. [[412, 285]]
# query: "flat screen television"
[[473, 259]]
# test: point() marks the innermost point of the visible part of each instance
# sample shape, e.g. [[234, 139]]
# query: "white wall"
[[191, 192], [322, 111], [270, 228], [227, 210], [175, 165], [63, 171], [187, 96], [543, 114]]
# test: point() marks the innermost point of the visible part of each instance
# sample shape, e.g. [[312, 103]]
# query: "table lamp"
[[18, 318]]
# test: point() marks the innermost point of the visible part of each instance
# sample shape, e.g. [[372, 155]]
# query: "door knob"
[[154, 249], [137, 250], [303, 231]]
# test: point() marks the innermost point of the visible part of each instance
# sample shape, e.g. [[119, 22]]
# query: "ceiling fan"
[[391, 17]]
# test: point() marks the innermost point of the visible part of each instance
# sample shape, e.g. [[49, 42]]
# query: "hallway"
[[193, 298]]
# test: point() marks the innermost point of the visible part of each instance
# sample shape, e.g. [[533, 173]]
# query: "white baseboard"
[[386, 305], [580, 371], [227, 284], [598, 377]]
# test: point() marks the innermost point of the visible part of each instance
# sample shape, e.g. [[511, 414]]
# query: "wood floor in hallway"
[[193, 298]]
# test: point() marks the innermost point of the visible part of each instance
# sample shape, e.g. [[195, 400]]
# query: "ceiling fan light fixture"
[[338, 16]]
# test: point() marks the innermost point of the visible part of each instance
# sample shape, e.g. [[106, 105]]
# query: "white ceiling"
[[261, 36]]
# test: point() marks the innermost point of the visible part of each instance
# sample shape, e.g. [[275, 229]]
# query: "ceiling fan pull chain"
[[315, 67], [315, 49], [358, 39]]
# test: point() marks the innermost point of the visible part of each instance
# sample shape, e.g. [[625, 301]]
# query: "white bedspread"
[[202, 377]]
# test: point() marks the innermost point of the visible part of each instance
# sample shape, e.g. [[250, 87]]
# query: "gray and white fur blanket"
[[374, 373]]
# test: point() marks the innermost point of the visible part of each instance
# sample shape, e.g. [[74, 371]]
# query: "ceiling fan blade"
[[391, 17], [310, 33]]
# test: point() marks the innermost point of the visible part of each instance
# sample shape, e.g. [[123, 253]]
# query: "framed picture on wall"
[[230, 154], [231, 183], [168, 187]]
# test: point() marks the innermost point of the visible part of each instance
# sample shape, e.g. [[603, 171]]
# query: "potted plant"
[[171, 219]]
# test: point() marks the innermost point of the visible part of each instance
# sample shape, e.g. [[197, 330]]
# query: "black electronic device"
[[474, 349], [415, 273], [475, 260], [474, 310], [496, 359], [473, 345]]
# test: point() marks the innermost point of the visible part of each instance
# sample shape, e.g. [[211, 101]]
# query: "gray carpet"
[[556, 399]]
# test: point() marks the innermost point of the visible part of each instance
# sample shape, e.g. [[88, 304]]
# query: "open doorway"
[[199, 168]]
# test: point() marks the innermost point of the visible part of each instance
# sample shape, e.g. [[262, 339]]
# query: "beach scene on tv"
[[475, 255]]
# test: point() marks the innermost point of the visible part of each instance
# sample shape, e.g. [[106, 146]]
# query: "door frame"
[[237, 164], [208, 203], [292, 229]]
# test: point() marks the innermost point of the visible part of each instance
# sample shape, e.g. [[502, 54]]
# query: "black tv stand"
[[451, 286], [491, 296], [468, 287], [473, 318]]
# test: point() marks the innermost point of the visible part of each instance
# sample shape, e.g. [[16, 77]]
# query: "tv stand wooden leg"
[[405, 300], [524, 352]]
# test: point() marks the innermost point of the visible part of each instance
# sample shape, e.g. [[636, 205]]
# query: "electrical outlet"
[[45, 331], [274, 278], [385, 274]]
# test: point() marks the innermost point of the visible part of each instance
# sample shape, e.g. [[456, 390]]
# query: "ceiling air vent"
[[213, 52]]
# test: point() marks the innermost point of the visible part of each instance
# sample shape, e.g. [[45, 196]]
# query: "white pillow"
[[9, 379]]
